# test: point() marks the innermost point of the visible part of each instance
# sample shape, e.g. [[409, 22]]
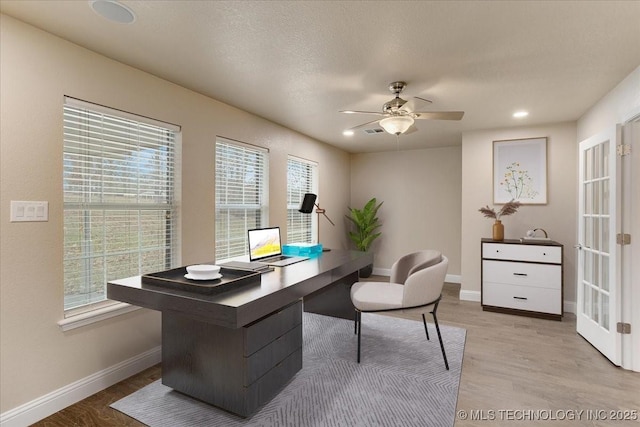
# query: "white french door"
[[599, 289]]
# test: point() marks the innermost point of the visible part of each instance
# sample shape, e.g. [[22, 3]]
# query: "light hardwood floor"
[[514, 368], [513, 363]]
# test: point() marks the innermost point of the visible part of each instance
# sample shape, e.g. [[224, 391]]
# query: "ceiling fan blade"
[[361, 112], [411, 130], [364, 124], [412, 104], [439, 115], [424, 99]]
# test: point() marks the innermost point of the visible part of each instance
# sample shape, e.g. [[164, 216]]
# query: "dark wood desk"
[[238, 349]]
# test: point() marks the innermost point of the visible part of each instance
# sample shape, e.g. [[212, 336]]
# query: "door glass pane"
[[594, 305], [605, 159], [588, 198], [596, 234], [587, 266], [605, 234], [588, 164], [597, 160], [605, 197], [604, 282], [595, 276], [601, 197], [605, 311], [586, 306], [588, 232]]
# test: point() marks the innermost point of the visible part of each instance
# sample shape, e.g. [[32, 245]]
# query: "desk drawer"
[[522, 297], [267, 386], [265, 330], [530, 253], [263, 360], [523, 274]]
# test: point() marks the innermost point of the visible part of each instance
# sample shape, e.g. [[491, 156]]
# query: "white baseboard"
[[42, 407], [570, 306], [382, 271], [469, 295], [453, 278]]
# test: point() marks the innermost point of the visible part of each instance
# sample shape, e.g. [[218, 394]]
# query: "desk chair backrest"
[[410, 263], [425, 285]]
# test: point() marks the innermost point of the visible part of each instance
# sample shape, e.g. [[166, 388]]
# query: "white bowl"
[[203, 270]]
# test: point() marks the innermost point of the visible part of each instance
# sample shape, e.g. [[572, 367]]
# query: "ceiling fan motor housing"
[[394, 105], [397, 87]]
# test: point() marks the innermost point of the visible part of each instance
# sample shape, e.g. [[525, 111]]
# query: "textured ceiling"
[[298, 63]]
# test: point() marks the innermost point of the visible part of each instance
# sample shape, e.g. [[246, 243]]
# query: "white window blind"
[[242, 198], [120, 200], [301, 179]]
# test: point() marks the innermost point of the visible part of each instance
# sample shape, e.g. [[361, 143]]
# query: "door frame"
[[631, 252]]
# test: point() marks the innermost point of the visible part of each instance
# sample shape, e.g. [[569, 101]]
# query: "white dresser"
[[522, 278]]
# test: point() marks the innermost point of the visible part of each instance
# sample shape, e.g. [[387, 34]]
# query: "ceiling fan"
[[398, 115]]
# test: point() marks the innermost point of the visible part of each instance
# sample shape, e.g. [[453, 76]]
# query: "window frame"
[[77, 151], [294, 199], [228, 245]]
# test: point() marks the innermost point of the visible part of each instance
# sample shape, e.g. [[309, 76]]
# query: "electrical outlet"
[[27, 211]]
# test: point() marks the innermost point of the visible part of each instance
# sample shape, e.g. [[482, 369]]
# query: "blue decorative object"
[[302, 249]]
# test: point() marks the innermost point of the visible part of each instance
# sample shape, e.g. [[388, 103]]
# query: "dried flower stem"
[[509, 208]]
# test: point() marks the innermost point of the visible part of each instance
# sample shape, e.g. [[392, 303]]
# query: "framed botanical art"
[[520, 171]]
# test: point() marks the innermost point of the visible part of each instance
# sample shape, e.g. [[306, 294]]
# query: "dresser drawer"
[[263, 360], [523, 274], [518, 252], [522, 297], [265, 330]]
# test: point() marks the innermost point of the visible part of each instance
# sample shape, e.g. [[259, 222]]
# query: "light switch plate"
[[29, 211]]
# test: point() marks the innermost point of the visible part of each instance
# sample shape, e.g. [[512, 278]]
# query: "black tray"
[[174, 279]]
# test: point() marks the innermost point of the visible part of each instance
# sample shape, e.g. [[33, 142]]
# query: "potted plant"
[[366, 225]]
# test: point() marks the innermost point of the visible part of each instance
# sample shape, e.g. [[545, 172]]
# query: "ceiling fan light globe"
[[396, 125]]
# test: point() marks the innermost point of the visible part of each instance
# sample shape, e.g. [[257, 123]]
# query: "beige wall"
[[615, 107], [557, 217], [37, 70], [421, 194]]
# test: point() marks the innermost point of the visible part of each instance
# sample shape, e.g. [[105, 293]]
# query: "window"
[[242, 199], [302, 177], [120, 200]]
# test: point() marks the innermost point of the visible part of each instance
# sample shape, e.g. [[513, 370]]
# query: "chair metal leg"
[[425, 326], [355, 322], [359, 315], [435, 320]]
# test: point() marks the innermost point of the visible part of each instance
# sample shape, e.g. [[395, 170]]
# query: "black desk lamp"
[[306, 207]]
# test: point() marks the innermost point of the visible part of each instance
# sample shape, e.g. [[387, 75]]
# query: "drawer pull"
[[521, 298], [520, 274]]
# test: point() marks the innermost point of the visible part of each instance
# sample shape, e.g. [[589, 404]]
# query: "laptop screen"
[[264, 243]]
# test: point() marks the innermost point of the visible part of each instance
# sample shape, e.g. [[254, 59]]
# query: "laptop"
[[265, 247]]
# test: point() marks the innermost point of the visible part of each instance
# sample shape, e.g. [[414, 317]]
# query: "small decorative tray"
[[174, 279]]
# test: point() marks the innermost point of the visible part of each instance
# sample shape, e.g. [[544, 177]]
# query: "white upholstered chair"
[[415, 286]]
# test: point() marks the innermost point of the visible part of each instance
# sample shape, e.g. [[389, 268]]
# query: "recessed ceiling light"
[[347, 133], [113, 11], [520, 114]]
